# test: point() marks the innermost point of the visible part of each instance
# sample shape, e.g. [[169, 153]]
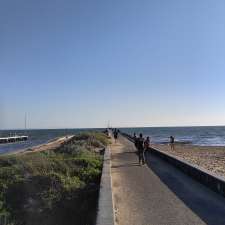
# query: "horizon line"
[[119, 127]]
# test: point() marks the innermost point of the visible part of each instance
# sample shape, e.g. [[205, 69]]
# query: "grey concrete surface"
[[158, 193], [209, 179]]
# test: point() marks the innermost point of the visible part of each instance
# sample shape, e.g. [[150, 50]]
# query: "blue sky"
[[76, 63]]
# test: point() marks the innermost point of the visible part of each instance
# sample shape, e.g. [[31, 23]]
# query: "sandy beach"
[[210, 158], [53, 144]]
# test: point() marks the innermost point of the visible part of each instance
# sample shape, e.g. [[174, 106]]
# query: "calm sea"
[[36, 137], [202, 136]]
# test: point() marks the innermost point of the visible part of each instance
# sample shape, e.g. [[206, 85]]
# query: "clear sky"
[[80, 63]]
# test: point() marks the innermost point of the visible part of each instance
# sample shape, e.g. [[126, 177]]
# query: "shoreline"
[[211, 158], [50, 145], [189, 143]]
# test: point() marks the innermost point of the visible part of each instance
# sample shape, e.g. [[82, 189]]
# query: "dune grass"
[[53, 187]]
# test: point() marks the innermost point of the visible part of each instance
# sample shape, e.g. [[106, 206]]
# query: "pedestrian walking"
[[147, 143], [140, 147], [135, 139], [115, 134]]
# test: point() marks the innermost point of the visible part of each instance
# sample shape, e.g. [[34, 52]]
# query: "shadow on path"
[[126, 165], [209, 206], [125, 153]]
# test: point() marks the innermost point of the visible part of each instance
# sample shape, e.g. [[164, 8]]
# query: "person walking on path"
[[140, 147], [147, 143], [115, 134], [135, 139]]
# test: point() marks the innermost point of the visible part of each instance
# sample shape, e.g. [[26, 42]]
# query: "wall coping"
[[105, 214]]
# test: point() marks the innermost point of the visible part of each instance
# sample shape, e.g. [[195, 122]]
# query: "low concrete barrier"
[[105, 214], [211, 180]]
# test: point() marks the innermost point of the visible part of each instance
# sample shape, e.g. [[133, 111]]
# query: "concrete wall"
[[212, 181], [105, 214]]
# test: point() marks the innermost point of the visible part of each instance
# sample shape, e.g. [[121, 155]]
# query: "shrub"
[[52, 186]]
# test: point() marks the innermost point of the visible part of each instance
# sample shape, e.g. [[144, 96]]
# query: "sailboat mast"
[[25, 121]]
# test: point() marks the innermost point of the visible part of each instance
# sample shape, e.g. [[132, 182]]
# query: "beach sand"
[[53, 144], [209, 158]]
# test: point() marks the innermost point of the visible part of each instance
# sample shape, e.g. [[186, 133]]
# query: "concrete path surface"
[[158, 193]]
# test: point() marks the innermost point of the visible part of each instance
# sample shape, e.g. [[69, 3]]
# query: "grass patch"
[[53, 187]]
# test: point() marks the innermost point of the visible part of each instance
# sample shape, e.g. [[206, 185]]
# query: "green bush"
[[58, 184]]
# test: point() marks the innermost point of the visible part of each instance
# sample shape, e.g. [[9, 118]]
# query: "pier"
[[5, 140]]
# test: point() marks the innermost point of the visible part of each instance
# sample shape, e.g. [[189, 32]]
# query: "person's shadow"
[[126, 165]]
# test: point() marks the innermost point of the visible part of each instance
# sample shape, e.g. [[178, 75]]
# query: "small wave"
[[177, 142]]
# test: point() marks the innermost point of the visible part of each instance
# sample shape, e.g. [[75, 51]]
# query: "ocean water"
[[36, 137], [201, 136]]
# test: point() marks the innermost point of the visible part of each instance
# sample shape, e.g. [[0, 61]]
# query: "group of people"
[[142, 145], [115, 133]]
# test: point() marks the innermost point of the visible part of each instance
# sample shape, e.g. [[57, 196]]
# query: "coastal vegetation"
[[57, 186]]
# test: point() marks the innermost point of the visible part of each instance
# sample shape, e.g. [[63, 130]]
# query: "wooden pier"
[[5, 140]]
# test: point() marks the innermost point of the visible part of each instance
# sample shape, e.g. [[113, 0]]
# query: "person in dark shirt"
[[140, 147], [172, 141], [147, 143], [115, 134], [135, 140]]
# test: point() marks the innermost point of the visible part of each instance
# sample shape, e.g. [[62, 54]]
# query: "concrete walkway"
[[158, 193]]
